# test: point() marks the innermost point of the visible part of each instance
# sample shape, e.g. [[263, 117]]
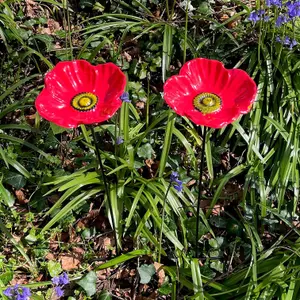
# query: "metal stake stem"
[[200, 187]]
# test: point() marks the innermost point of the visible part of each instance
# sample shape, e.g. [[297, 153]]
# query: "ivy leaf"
[[88, 283], [217, 265], [16, 180], [105, 295], [146, 272], [54, 268], [145, 151]]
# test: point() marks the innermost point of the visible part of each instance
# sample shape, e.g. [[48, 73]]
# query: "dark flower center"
[[207, 103], [84, 101]]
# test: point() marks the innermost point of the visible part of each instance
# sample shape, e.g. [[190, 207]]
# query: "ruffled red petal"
[[235, 88], [241, 90], [205, 75], [179, 94], [71, 78], [52, 110]]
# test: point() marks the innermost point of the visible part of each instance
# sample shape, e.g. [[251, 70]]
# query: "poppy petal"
[[110, 82], [68, 80], [240, 91], [179, 94], [205, 75], [70, 77], [52, 110]]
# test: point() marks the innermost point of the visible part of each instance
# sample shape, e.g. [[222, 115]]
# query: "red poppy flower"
[[208, 94], [78, 93]]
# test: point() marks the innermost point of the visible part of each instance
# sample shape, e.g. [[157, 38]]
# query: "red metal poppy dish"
[[209, 94], [77, 92]]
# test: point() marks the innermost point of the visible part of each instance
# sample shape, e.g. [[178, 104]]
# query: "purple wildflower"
[[17, 292], [64, 279], [119, 141], [281, 20], [59, 291], [55, 280], [277, 3], [125, 97], [287, 41], [8, 292], [293, 43], [293, 9], [59, 283], [254, 17], [178, 183]]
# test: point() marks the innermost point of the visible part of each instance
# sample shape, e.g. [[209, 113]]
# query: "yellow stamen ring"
[[84, 101], [207, 103]]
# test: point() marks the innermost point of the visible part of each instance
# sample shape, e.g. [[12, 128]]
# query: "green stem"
[[69, 30], [186, 29], [162, 222], [105, 187], [200, 188]]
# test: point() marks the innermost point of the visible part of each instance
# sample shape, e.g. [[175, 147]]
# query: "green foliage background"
[[249, 225]]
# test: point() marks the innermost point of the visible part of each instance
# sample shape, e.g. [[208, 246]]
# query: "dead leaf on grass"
[[69, 262], [50, 256], [31, 8], [160, 273], [21, 197]]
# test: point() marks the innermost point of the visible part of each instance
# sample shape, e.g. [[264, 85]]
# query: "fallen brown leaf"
[[21, 197], [160, 273], [50, 256], [69, 262]]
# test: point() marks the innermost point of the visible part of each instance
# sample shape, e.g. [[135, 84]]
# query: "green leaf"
[[145, 151], [6, 277], [6, 196], [217, 265], [16, 180], [122, 258], [88, 283], [146, 272], [105, 295], [165, 289], [56, 129], [54, 268]]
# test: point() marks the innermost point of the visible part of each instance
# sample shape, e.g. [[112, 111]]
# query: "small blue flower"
[[17, 292], [178, 187], [59, 291], [287, 41], [177, 183], [55, 280], [277, 3], [293, 43], [64, 279], [174, 176], [254, 17], [281, 20], [261, 12], [125, 97], [119, 141], [60, 282], [293, 9], [8, 292]]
